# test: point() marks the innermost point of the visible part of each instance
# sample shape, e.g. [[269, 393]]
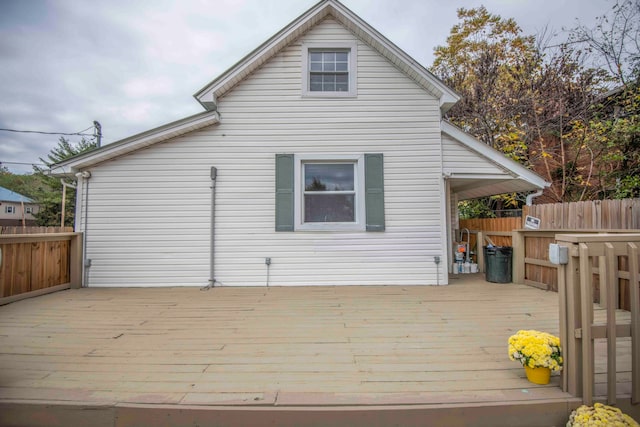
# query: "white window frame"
[[9, 209], [28, 209], [360, 218], [352, 48]]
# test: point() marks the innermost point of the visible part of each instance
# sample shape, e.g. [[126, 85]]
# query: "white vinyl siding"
[[457, 158], [137, 238]]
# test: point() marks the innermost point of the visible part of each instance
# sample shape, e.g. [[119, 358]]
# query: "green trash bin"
[[497, 263]]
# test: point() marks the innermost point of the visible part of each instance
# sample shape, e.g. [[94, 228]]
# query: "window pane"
[[329, 208], [329, 177], [328, 71], [329, 86], [329, 56], [342, 83], [342, 78], [315, 82]]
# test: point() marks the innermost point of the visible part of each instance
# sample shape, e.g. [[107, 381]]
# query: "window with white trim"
[[329, 192], [28, 209], [329, 71], [10, 209]]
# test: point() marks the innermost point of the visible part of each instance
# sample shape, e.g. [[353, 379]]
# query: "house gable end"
[[209, 95]]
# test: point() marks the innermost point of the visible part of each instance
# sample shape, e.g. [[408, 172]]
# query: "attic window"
[[329, 71]]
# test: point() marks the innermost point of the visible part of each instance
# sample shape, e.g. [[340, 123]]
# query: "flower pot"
[[538, 375]]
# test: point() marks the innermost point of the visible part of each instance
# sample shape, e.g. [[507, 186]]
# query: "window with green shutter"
[[284, 192], [330, 193]]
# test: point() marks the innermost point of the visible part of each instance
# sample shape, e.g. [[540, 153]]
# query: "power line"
[[49, 133], [2, 162]]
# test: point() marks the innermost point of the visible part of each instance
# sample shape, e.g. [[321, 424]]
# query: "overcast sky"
[[133, 65]]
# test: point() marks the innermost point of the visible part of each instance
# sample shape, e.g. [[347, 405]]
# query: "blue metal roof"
[[7, 195]]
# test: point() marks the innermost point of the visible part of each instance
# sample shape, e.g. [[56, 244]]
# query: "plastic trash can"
[[498, 263]]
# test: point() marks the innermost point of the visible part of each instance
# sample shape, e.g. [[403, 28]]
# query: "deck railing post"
[[586, 308], [610, 282], [572, 346]]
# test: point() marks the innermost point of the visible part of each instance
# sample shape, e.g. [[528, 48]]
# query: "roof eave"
[[134, 143], [494, 156]]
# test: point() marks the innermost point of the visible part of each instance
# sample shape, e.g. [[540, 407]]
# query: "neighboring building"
[[16, 209], [333, 162]]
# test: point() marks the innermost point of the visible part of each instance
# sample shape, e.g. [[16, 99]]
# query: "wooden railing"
[[35, 264], [531, 265], [579, 329]]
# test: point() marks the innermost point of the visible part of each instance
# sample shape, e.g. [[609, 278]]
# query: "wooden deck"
[[276, 356]]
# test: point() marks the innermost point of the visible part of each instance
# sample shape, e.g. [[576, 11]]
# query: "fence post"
[[518, 242], [75, 261]]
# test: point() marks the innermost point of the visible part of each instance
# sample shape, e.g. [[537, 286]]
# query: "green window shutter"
[[374, 191], [284, 192]]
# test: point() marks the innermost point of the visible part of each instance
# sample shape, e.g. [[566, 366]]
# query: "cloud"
[[133, 65]]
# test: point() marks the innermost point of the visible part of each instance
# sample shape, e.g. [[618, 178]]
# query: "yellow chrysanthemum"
[[536, 349], [600, 415]]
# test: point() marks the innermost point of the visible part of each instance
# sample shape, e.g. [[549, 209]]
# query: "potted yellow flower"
[[539, 353], [600, 415]]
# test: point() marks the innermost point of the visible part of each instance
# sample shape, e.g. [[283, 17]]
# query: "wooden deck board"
[[277, 346]]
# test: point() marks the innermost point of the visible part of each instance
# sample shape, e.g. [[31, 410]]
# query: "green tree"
[[489, 62], [25, 184], [563, 96], [545, 106], [49, 195]]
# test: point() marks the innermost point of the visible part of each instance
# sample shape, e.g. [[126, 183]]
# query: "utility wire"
[[2, 162], [48, 133], [84, 130]]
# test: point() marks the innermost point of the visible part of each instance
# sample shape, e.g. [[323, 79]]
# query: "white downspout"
[[83, 180], [212, 264], [532, 196]]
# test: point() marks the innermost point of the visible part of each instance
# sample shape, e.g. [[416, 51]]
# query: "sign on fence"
[[531, 222]]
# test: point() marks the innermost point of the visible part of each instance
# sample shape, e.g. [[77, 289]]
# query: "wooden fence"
[[589, 215], [531, 247], [34, 264], [579, 329], [34, 230]]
